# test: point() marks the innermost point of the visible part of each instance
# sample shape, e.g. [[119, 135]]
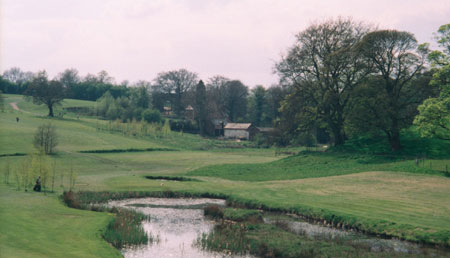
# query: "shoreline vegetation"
[[378, 228]]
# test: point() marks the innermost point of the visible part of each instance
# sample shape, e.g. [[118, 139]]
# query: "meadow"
[[392, 196]]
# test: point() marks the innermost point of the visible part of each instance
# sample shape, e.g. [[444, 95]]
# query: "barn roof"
[[238, 126]]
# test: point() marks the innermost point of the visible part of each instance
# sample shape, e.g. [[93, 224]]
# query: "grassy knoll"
[[309, 165], [35, 225]]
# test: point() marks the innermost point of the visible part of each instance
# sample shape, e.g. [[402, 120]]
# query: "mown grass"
[[38, 225], [314, 164], [413, 206]]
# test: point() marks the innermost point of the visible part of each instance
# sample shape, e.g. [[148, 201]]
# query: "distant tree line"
[[170, 92]]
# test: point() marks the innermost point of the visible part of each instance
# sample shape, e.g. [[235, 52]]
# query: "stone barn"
[[243, 131]]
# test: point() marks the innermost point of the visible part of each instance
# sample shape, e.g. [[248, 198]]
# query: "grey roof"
[[238, 126]]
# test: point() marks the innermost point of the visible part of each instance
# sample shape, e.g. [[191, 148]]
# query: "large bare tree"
[[174, 85]]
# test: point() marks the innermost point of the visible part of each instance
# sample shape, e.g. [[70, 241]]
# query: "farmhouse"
[[244, 131]]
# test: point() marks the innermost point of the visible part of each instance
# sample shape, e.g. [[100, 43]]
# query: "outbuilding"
[[243, 131]]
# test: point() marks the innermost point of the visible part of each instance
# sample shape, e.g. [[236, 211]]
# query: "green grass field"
[[384, 194]]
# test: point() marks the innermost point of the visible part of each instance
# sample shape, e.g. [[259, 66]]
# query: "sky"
[[137, 39]]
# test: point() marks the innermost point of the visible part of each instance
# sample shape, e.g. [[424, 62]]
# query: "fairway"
[[393, 197]]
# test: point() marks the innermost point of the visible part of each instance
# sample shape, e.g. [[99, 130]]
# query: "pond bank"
[[330, 220]]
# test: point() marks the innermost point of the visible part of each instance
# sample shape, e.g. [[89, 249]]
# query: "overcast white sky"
[[136, 39]]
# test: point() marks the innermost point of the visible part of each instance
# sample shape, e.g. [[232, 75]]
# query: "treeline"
[[340, 79], [172, 93]]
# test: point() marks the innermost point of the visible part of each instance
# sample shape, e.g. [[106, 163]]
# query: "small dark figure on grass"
[[37, 187], [17, 119]]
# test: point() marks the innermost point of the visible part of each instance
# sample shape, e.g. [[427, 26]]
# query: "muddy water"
[[174, 227]]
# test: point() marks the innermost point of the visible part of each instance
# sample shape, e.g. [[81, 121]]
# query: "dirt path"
[[14, 106]]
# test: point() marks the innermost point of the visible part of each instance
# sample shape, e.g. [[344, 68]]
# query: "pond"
[[176, 224], [174, 227]]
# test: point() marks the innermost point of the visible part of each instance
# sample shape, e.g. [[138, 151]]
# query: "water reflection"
[[175, 225]]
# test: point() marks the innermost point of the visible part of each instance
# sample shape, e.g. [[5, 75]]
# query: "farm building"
[[244, 131]]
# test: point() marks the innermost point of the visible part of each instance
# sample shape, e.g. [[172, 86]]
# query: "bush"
[[186, 126], [151, 116], [45, 138]]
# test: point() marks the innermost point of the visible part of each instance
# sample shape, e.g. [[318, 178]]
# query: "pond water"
[[175, 225], [374, 244]]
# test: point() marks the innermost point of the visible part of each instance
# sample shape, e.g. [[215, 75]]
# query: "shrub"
[[45, 138], [151, 116]]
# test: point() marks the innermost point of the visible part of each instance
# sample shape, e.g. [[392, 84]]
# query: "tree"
[[70, 79], [441, 58], [216, 91], [2, 102], [275, 94], [434, 113], [235, 100], [151, 116], [173, 86], [17, 76], [45, 138], [46, 92], [397, 60], [140, 96], [200, 108], [322, 68], [257, 105]]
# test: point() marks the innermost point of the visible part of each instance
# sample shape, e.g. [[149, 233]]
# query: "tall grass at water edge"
[[124, 229]]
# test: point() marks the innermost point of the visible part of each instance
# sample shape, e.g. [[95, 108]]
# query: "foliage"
[[46, 92], [213, 211], [166, 128], [258, 106], [173, 87], [45, 138], [441, 58], [2, 102], [235, 101], [396, 59], [126, 229], [322, 68], [151, 116], [434, 113], [200, 107]]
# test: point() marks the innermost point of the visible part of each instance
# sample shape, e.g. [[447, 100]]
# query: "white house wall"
[[236, 134]]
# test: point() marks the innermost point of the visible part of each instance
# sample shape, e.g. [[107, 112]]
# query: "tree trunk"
[[50, 110], [338, 136], [394, 138]]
